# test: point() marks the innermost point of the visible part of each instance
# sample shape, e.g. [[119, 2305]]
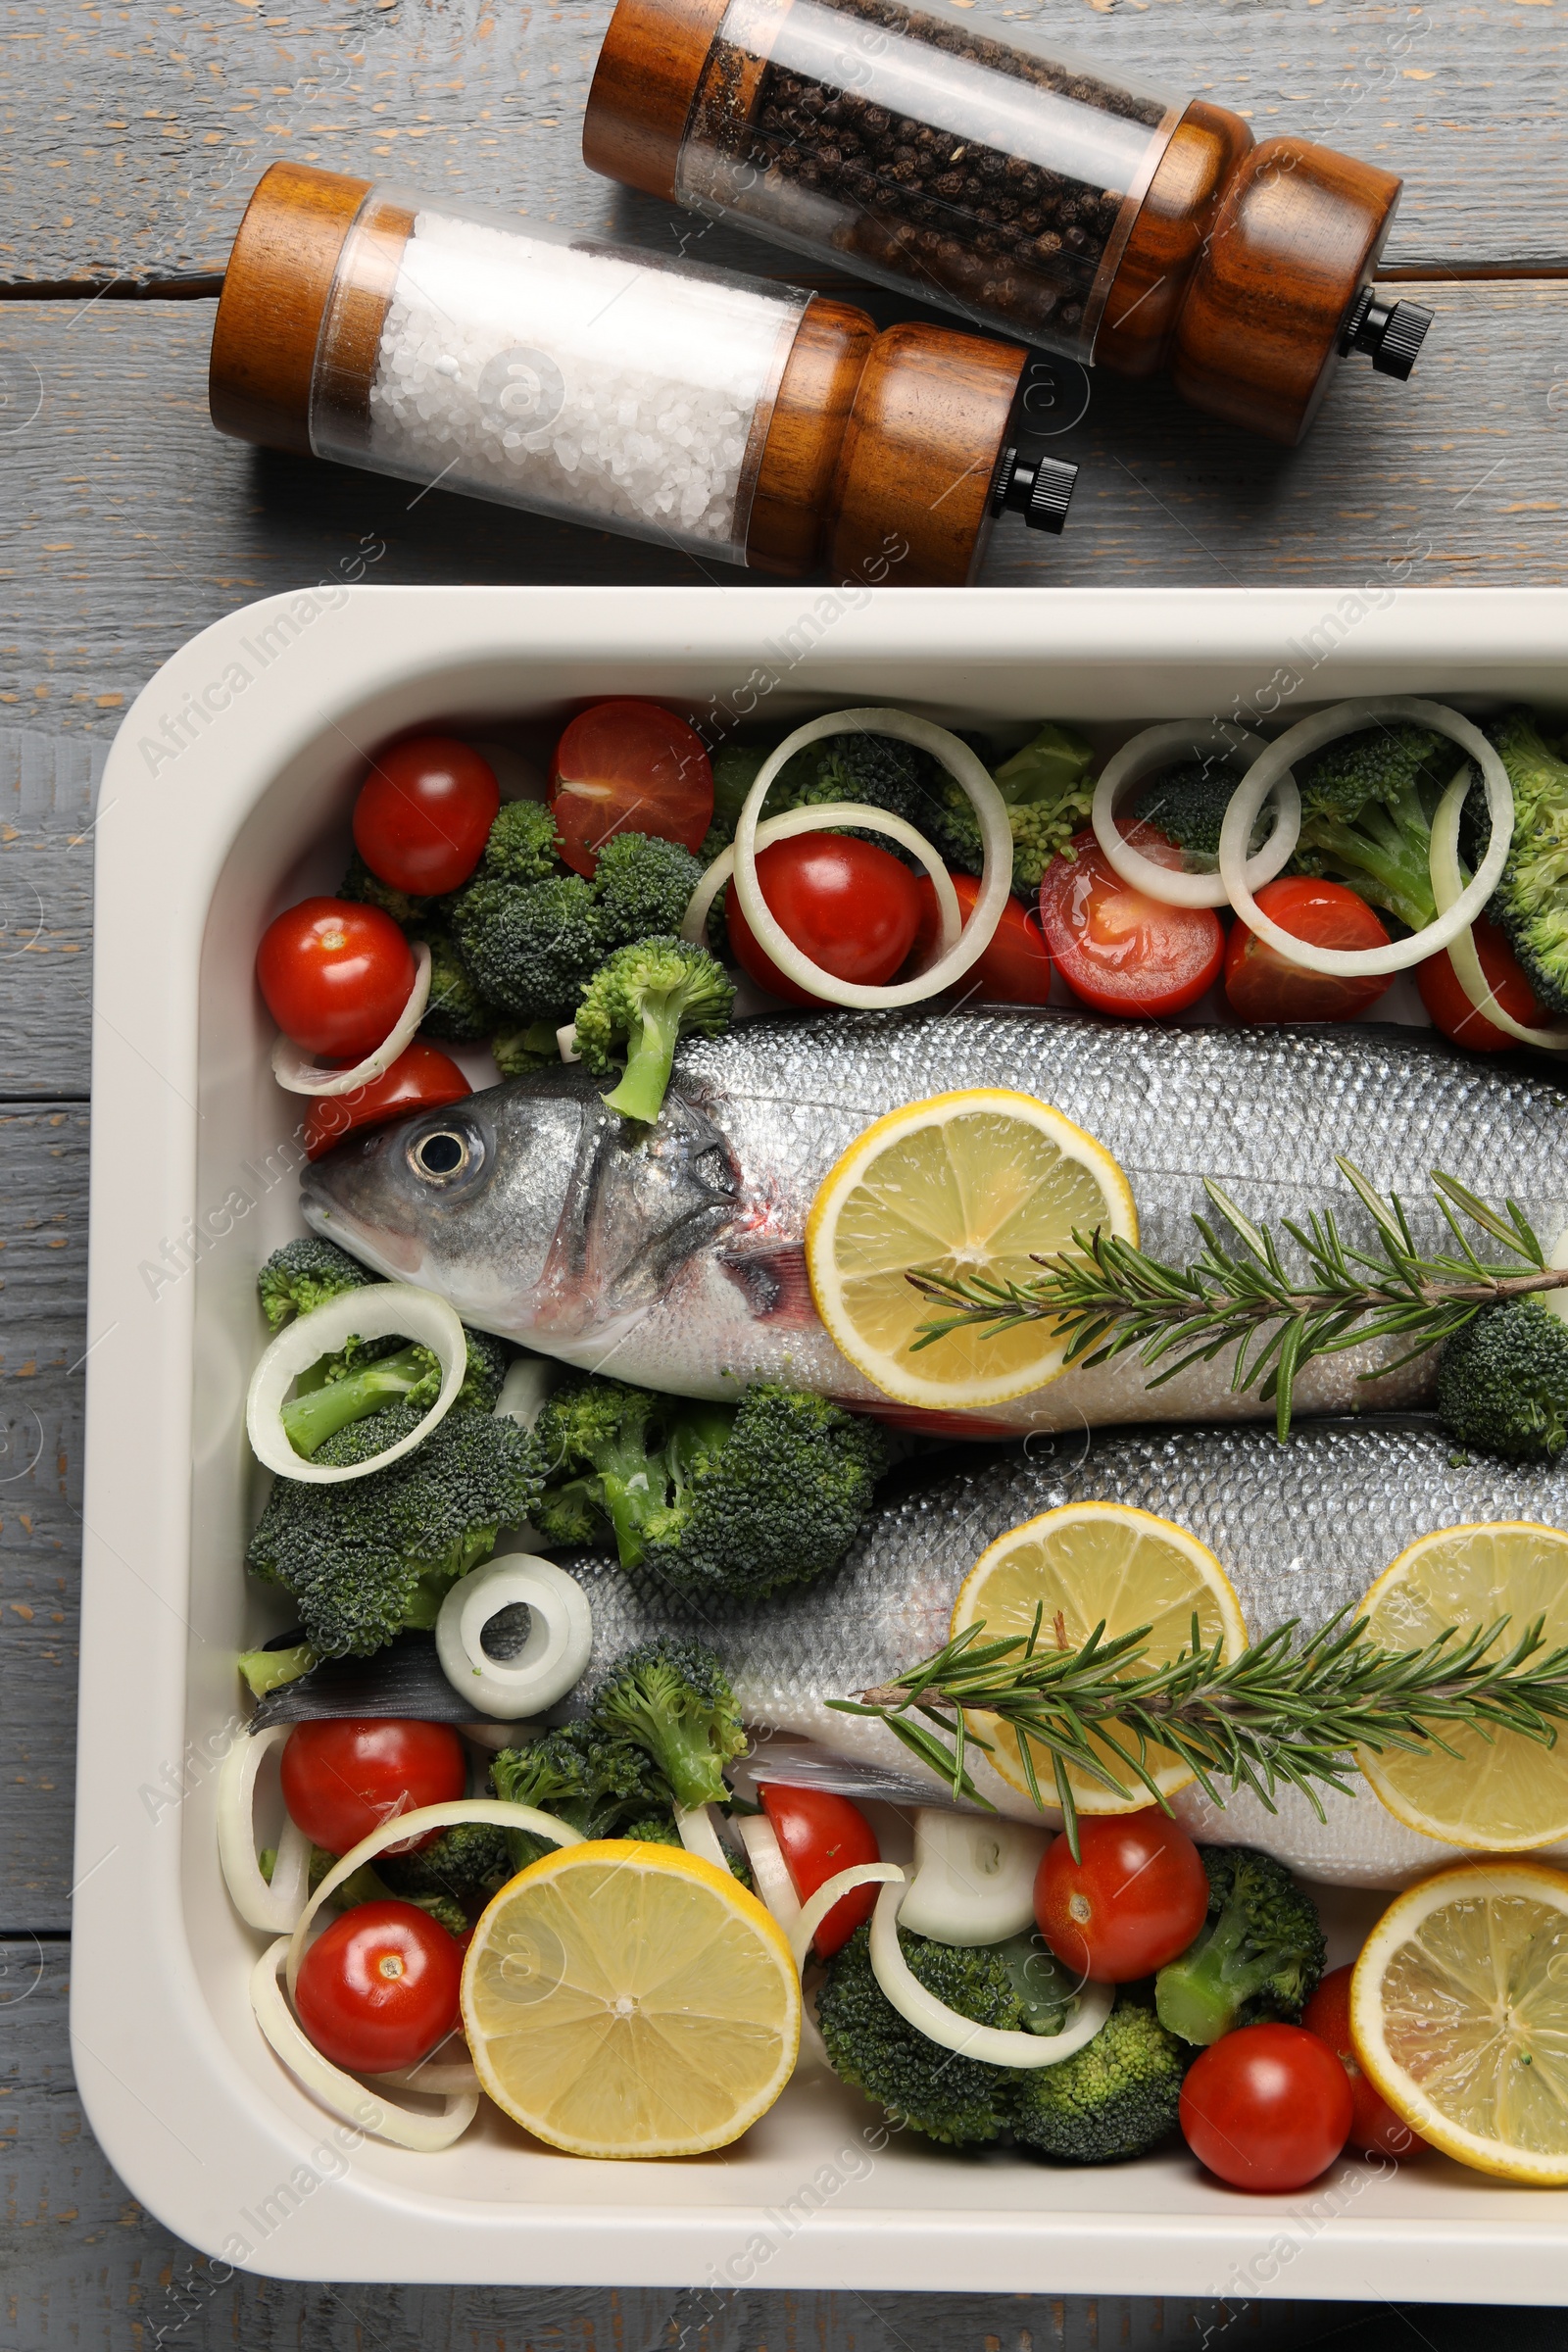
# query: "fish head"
[[533, 1210]]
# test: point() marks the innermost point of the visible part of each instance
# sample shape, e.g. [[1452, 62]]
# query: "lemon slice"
[[1498, 1795], [977, 1182], [1460, 2015], [1081, 1563], [623, 1999]]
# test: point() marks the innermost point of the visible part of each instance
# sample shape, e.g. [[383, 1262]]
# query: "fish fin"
[[921, 1422], [775, 1285]]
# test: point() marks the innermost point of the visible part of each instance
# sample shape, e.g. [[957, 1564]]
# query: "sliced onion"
[[833, 1890], [436, 2077], [272, 1906], [974, 1877], [832, 816], [1447, 885], [698, 1836], [554, 1655], [1154, 748], [996, 881], [992, 2045], [381, 1310], [294, 1070], [1310, 735], [491, 1809], [342, 2093], [768, 1867]]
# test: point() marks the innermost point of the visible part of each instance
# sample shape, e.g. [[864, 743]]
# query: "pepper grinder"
[[1016, 185], [607, 386]]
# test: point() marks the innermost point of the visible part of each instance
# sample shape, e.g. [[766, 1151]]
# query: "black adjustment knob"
[[1041, 493], [1392, 333]]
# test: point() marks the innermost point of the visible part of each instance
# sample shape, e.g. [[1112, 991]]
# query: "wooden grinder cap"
[[643, 86], [276, 293]]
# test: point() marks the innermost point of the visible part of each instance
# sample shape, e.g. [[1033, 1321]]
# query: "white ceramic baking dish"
[[230, 769]]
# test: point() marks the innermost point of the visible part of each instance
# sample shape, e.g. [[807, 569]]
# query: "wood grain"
[[154, 126], [132, 524], [47, 784]]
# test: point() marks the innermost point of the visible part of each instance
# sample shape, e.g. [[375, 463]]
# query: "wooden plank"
[[91, 2268], [43, 1312], [133, 524], [47, 784], [134, 156]]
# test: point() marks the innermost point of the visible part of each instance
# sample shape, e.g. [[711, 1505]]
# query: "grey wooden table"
[[134, 134]]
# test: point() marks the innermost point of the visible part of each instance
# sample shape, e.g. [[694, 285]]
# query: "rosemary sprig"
[[1276, 1716], [1105, 1296]]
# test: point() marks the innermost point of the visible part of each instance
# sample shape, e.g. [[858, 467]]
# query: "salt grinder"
[[1029, 192], [606, 386]]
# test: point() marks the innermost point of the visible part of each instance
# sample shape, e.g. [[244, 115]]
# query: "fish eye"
[[441, 1154]]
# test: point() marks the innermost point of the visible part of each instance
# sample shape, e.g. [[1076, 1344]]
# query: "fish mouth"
[[334, 1224]]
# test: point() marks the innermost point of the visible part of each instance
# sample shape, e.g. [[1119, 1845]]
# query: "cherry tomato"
[[628, 768], [1116, 948], [819, 1835], [1374, 2129], [1451, 1009], [425, 813], [1267, 2107], [345, 1775], [1137, 1898], [849, 905], [379, 1989], [1014, 969], [422, 1078], [1263, 985], [335, 976]]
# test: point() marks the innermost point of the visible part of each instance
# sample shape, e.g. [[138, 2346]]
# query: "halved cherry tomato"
[[1137, 1898], [1014, 969], [1116, 948], [422, 1078], [335, 976], [849, 905], [344, 1775], [1451, 1010], [425, 813], [1267, 2107], [1374, 2129], [819, 1835], [1263, 985], [379, 1988], [628, 768]]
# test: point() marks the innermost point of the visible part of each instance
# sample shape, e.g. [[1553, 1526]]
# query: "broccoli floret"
[[365, 889], [361, 1380], [367, 1884], [654, 1829], [643, 886], [1531, 902], [1049, 800], [635, 1009], [267, 1670], [735, 768], [534, 1046], [304, 1275], [1259, 1954], [1117, 2097], [1502, 1382], [672, 1699], [1188, 805], [464, 1864], [935, 2091], [523, 845], [531, 949], [364, 1558], [456, 1008], [595, 1781], [721, 1502], [1367, 804]]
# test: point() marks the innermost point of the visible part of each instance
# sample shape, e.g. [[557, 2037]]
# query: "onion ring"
[[1309, 735], [293, 1069], [1466, 962], [1153, 748], [345, 2095], [554, 1655], [831, 1892], [831, 817], [996, 880], [698, 1836], [272, 1905], [766, 1855], [994, 2045], [379, 1310], [494, 1810]]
